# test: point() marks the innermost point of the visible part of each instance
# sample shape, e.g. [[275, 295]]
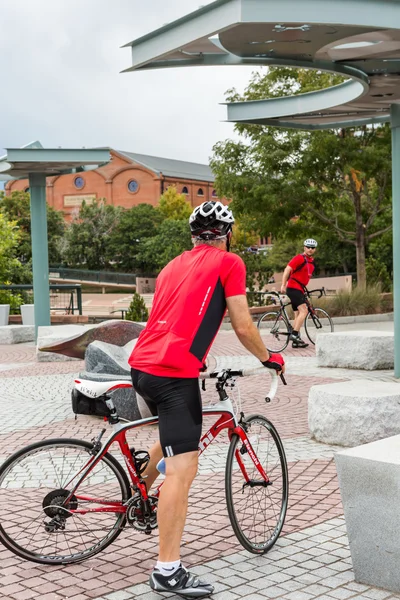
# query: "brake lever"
[[283, 379]]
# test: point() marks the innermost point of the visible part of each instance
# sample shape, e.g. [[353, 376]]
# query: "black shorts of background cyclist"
[[296, 297], [177, 402]]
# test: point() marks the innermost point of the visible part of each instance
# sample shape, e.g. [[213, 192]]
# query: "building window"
[[133, 186], [200, 192], [185, 190], [214, 194], [79, 183]]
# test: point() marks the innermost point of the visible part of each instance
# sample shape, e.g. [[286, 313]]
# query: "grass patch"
[[359, 301]]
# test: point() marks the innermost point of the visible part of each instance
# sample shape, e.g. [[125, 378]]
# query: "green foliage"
[[360, 301], [13, 299], [174, 205], [377, 274], [134, 227], [172, 239], [336, 183], [137, 309], [16, 207], [86, 241]]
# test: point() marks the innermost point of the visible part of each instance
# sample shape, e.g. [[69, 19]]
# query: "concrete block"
[[369, 479], [16, 334], [355, 412], [368, 350]]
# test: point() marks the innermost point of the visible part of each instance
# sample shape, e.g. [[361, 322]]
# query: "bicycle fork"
[[248, 449]]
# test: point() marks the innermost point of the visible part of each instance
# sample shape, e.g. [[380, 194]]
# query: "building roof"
[[172, 168]]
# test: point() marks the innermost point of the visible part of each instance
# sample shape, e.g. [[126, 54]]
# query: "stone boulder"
[[367, 350], [355, 412]]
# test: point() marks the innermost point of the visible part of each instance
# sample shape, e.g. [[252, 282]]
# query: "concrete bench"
[[355, 412], [16, 334], [368, 350], [369, 478]]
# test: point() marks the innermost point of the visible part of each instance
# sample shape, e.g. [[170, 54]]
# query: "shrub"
[[357, 302], [14, 300], [137, 309]]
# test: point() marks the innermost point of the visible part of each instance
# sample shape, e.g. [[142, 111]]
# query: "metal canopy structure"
[[359, 39], [37, 163]]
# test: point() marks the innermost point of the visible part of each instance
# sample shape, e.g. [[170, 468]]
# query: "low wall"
[[331, 284]]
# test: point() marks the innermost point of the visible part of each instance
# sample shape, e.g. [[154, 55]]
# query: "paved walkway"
[[310, 560]]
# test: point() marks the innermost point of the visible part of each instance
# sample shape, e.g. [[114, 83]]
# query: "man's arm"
[[245, 329], [286, 275]]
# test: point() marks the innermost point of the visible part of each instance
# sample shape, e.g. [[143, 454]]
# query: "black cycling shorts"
[[177, 402], [296, 297]]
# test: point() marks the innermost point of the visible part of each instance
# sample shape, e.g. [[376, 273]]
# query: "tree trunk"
[[360, 253]]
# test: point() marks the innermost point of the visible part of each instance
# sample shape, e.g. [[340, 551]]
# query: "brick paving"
[[311, 558]]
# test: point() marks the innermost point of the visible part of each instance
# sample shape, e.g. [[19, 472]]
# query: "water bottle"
[[161, 466]]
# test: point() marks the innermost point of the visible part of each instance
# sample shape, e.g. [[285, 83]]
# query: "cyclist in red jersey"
[[295, 278], [192, 294]]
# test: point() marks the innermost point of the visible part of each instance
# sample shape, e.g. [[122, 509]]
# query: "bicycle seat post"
[[113, 419]]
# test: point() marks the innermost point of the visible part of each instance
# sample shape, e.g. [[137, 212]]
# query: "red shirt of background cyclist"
[[295, 278]]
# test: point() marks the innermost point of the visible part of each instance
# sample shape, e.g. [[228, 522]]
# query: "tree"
[[337, 181], [134, 227], [16, 207], [137, 309], [173, 238], [87, 238], [174, 205]]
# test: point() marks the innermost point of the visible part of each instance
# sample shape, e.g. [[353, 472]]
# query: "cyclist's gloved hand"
[[275, 361]]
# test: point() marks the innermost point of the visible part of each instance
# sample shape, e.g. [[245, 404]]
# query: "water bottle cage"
[[141, 459]]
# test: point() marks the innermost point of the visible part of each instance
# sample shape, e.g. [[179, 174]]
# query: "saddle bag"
[[83, 405]]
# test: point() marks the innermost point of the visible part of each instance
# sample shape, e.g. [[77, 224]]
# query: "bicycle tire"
[[272, 519], [273, 343], [323, 318], [20, 513]]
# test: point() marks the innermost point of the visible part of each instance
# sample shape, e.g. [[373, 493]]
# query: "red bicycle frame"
[[226, 420]]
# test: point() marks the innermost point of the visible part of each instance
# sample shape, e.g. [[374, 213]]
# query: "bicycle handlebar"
[[321, 291], [246, 373]]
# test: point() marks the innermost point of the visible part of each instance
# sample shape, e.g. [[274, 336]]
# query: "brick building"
[[129, 179]]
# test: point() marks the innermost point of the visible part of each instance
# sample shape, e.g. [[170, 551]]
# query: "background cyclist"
[[295, 278], [192, 294]]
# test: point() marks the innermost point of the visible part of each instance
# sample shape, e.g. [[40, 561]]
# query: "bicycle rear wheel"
[[257, 513], [317, 323], [274, 331], [34, 482]]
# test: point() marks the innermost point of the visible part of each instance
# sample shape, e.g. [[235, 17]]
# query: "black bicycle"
[[278, 327]]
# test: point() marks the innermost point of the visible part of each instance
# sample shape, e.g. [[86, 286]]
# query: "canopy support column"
[[40, 255], [395, 122]]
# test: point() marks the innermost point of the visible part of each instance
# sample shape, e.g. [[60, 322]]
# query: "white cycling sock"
[[168, 568]]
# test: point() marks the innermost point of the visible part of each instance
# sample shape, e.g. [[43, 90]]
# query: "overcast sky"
[[61, 81]]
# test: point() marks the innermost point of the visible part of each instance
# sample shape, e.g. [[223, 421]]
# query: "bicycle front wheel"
[[257, 513], [274, 331], [36, 524], [317, 323]]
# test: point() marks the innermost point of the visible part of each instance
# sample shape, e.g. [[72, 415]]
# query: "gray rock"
[[369, 485], [101, 357], [368, 350], [354, 412]]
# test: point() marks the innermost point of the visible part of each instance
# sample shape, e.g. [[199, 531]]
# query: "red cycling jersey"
[[188, 308], [304, 273]]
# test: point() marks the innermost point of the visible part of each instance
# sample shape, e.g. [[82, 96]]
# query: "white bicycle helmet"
[[310, 243], [211, 220]]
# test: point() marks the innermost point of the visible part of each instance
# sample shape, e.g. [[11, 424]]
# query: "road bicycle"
[[278, 324], [64, 500]]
